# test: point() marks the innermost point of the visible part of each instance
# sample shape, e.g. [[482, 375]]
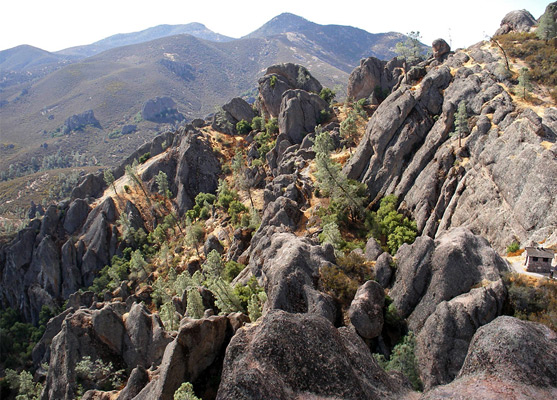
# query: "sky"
[[57, 24]]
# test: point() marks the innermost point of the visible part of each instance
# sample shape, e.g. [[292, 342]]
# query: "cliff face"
[[499, 182]]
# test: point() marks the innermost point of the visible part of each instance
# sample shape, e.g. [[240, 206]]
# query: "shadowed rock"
[[288, 356]]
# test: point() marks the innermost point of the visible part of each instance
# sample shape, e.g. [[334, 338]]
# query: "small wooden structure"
[[539, 259]]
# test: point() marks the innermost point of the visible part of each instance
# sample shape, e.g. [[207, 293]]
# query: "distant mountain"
[[124, 39], [27, 57], [197, 74], [343, 46]]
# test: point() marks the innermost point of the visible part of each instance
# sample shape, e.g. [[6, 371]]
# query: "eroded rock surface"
[[302, 356]]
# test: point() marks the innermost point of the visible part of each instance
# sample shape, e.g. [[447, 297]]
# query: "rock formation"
[[302, 356], [406, 151], [161, 109], [79, 121], [516, 21], [277, 80], [234, 111]]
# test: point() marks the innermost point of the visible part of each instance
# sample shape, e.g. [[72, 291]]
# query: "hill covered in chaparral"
[[197, 70], [308, 249]]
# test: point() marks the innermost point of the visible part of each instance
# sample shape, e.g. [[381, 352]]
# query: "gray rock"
[[197, 170], [440, 48], [75, 216], [277, 80], [232, 112], [366, 310], [516, 21], [300, 112], [198, 344], [373, 249], [212, 243], [71, 273], [161, 110], [90, 185], [79, 121], [41, 351], [507, 358], [442, 344], [289, 267], [301, 356], [384, 270], [429, 272], [145, 339], [136, 382], [371, 74]]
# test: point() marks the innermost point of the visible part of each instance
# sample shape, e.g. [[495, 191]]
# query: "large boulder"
[[366, 310], [440, 48], [288, 356], [75, 216], [431, 271], [199, 344], [507, 358], [516, 21], [442, 344], [372, 74], [161, 110], [197, 170], [289, 270], [300, 112], [234, 111], [79, 121], [277, 80]]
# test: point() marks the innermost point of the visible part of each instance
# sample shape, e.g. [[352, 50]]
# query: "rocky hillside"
[[324, 251], [197, 74]]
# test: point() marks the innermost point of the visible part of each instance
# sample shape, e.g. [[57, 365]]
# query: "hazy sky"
[[58, 24]]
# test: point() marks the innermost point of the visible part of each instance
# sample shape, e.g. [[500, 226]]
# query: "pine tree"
[[331, 181], [213, 265], [461, 122], [331, 234], [139, 268], [109, 180], [162, 182], [409, 50], [225, 298], [524, 83], [185, 392], [168, 316], [194, 235], [194, 307]]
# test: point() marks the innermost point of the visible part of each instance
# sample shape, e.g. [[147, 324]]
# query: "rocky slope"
[[446, 287], [488, 182]]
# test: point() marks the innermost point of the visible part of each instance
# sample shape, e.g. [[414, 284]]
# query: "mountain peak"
[[282, 23]]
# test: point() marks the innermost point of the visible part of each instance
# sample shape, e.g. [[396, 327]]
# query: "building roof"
[[539, 252]]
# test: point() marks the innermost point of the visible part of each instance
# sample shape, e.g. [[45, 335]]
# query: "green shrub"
[[231, 270], [271, 127], [243, 127], [257, 124], [236, 210], [144, 158], [403, 359], [273, 81], [513, 247], [328, 95], [185, 392]]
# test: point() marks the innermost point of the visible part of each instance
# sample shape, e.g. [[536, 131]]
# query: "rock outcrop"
[[300, 112], [373, 74], [442, 344], [516, 21], [234, 111], [161, 110], [507, 358], [407, 151], [277, 80], [431, 271], [366, 310], [302, 356], [79, 121]]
